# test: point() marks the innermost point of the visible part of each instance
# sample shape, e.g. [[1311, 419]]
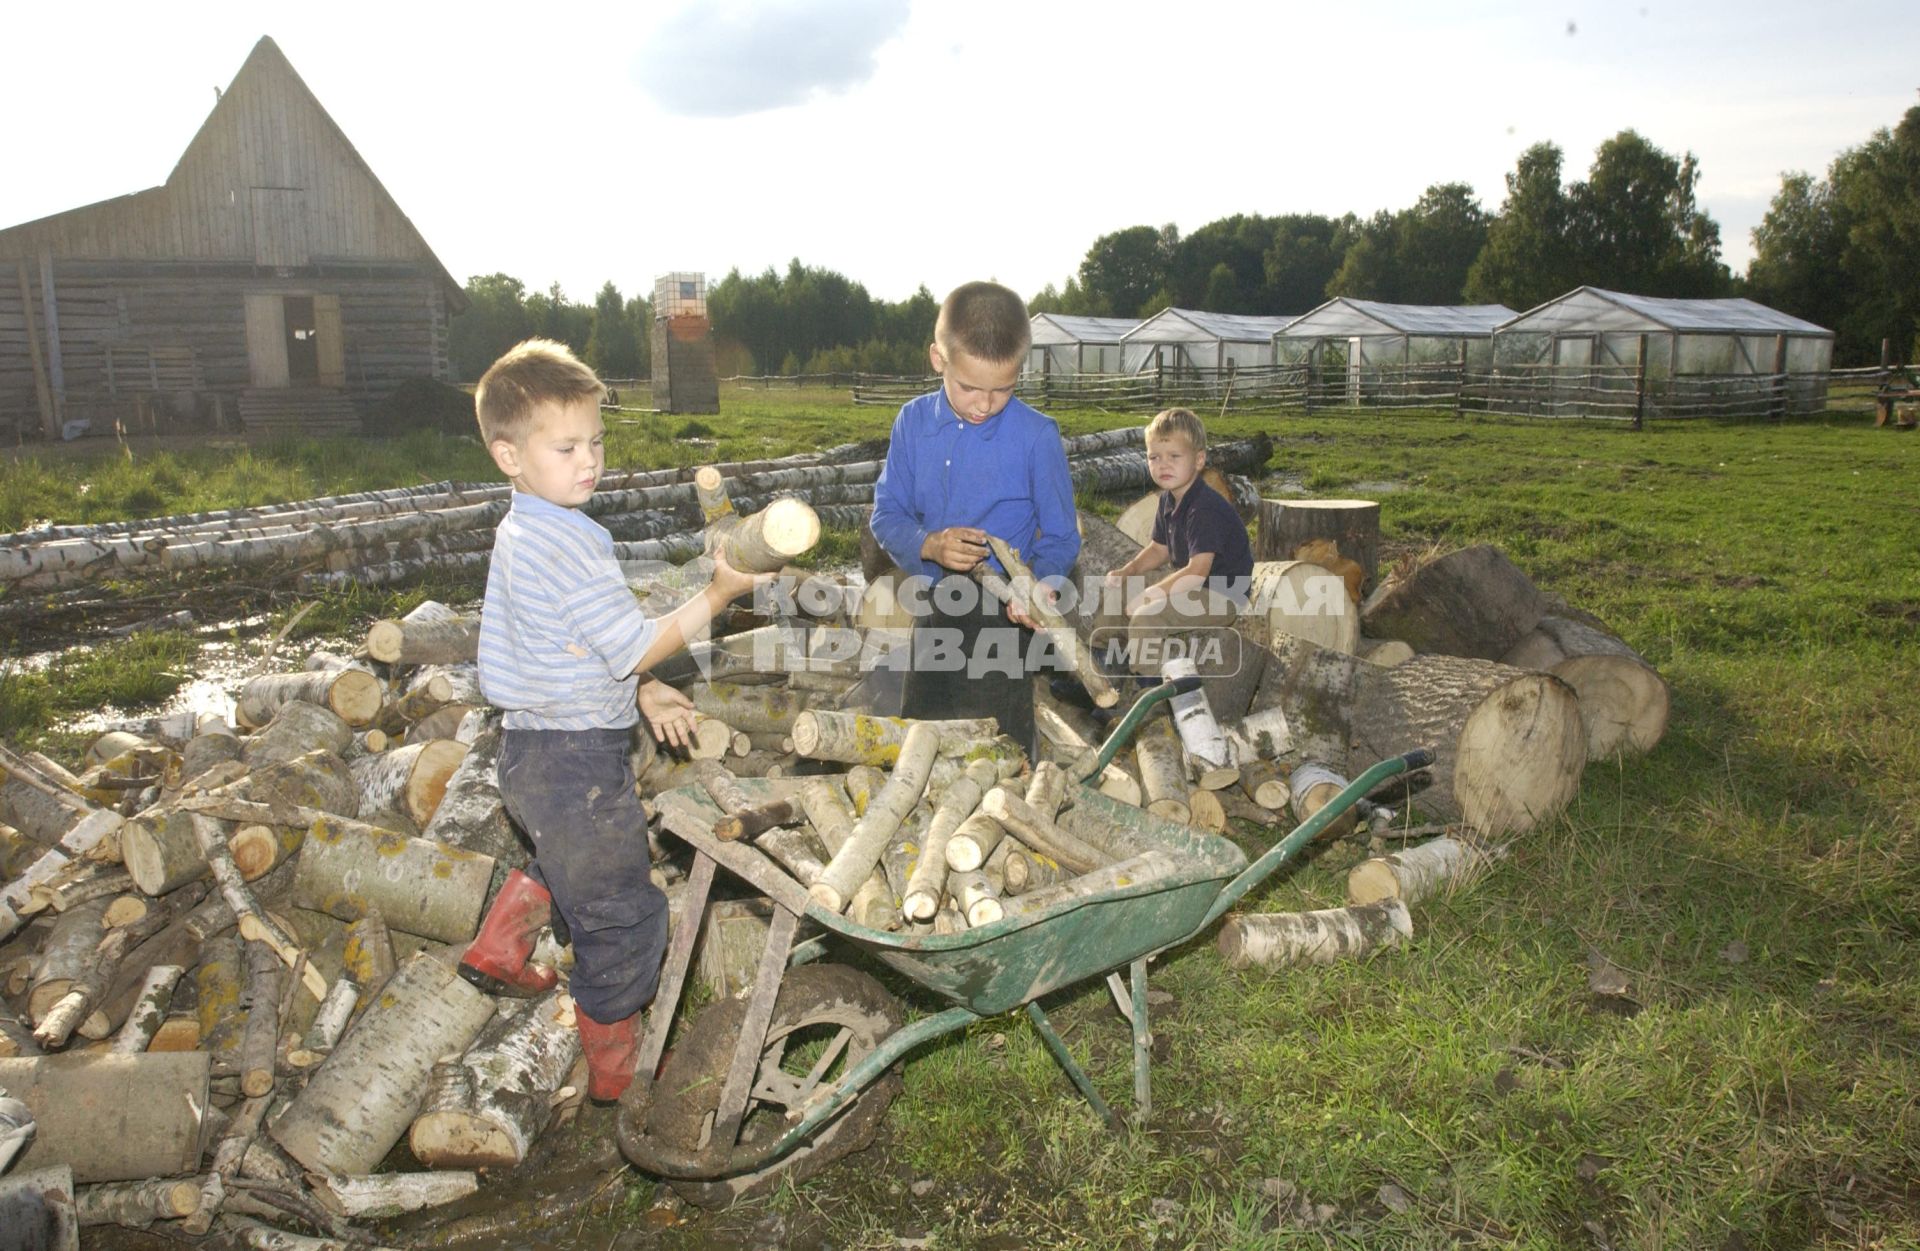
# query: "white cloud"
[[729, 60]]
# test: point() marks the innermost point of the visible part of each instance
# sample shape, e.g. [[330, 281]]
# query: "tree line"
[[1842, 251]]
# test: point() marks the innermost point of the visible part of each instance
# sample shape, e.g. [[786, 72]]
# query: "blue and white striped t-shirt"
[[560, 632]]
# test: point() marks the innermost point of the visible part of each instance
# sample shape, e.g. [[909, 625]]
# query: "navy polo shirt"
[[1203, 521]]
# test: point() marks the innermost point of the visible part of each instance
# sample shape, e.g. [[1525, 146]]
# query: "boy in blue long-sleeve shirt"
[[964, 462]]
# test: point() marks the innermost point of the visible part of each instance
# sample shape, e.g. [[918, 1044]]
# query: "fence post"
[[1640, 388], [1460, 384], [1780, 396]]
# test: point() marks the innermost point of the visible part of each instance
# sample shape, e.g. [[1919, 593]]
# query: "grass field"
[[1755, 878]]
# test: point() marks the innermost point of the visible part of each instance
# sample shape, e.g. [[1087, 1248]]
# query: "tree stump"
[[1353, 525]]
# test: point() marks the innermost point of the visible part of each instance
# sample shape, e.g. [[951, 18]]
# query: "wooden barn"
[[271, 283]]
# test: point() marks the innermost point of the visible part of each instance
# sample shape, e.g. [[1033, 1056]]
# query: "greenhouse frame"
[[1364, 351], [1064, 344], [1184, 340], [1593, 352]]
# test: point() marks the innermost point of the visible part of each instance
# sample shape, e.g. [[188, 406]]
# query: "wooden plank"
[[48, 422], [332, 349], [266, 340]]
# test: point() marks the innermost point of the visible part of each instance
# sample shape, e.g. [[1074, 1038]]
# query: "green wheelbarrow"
[[799, 1071]]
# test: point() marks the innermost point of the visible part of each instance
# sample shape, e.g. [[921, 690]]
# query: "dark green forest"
[[1841, 250]]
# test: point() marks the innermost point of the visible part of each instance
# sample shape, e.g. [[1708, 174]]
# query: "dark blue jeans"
[[571, 791]]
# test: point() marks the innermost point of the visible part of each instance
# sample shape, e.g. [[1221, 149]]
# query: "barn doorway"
[[303, 341]]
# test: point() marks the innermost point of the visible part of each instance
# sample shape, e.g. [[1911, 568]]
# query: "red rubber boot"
[[612, 1051], [496, 961]]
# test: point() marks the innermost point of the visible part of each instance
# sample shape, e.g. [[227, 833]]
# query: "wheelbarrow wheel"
[[824, 1011]]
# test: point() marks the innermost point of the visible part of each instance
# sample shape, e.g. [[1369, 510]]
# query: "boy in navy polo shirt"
[[563, 648], [1196, 531]]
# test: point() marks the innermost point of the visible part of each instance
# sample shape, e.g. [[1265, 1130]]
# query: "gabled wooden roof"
[[159, 222]]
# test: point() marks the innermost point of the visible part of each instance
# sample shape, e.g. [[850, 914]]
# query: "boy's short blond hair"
[[1180, 421], [986, 321], [527, 375]]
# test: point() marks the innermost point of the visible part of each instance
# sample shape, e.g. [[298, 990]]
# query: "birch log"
[[512, 1071], [384, 1195], [150, 1006], [827, 810], [1118, 875], [1314, 786], [113, 1117], [364, 1096], [926, 884], [136, 1204], [754, 709], [1018, 588], [1299, 599], [1509, 745], [1303, 707], [470, 815], [65, 956], [1416, 873], [767, 540], [1261, 782], [432, 634], [433, 687], [351, 694], [1199, 732], [1074, 737], [1623, 702], [410, 780], [348, 868], [1163, 776], [976, 899], [443, 722], [861, 738], [1352, 525], [1276, 940], [1041, 833], [1471, 602], [857, 856]]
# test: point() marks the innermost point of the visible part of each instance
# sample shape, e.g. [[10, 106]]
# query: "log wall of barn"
[[394, 324]]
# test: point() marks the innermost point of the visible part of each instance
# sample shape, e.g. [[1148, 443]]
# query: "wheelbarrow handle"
[[1094, 760]]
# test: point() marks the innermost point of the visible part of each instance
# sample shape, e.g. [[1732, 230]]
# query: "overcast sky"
[[934, 141]]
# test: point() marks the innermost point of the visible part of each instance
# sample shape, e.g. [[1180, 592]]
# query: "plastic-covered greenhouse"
[[1367, 352], [1184, 340], [1076, 345], [1605, 353]]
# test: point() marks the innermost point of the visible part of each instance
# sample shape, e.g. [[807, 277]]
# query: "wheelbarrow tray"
[[996, 968]]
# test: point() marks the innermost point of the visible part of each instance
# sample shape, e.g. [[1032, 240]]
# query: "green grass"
[[1756, 878]]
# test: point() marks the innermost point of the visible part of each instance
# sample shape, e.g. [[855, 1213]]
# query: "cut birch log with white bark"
[[1623, 701], [136, 1204], [856, 857], [37, 1211], [1303, 709], [364, 1096], [410, 780], [1075, 735], [1261, 782], [112, 1117], [179, 942], [1471, 602], [741, 815], [329, 1022], [1299, 599], [1279, 940], [1440, 864], [162, 849], [1205, 811], [974, 841], [202, 752], [65, 955], [367, 959], [712, 738], [258, 1237], [296, 728], [767, 540], [1040, 833], [84, 881], [926, 884], [470, 814], [352, 695], [1509, 745], [1163, 775], [1353, 526], [258, 850], [902, 852], [93, 832], [219, 986], [41, 807], [976, 898], [511, 1072], [1025, 870], [831, 816], [347, 869], [431, 634], [1312, 787], [260, 1042], [799, 851], [1048, 789], [443, 722], [382, 1196], [433, 687], [1193, 720], [87, 1002], [1116, 875], [1018, 589], [154, 999], [861, 738], [754, 709], [1387, 652]]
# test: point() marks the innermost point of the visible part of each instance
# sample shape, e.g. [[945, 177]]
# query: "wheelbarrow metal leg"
[[1067, 1062], [673, 974], [1142, 1046], [732, 1107]]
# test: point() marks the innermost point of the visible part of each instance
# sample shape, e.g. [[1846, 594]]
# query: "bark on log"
[[410, 780], [202, 752], [512, 1072], [432, 634], [1623, 701], [1352, 525], [1200, 733], [258, 850], [347, 869], [1262, 783], [66, 956], [1509, 745], [37, 1211], [755, 709], [150, 1006], [162, 850], [1278, 940], [352, 695], [257, 1237], [856, 857], [1017, 588], [1416, 873], [365, 1095], [260, 1044], [470, 815], [1472, 602], [1027, 870], [385, 1195], [136, 1204], [112, 1117], [1312, 787], [1303, 709], [298, 728], [767, 540], [434, 687], [1072, 733], [861, 738], [1134, 871], [443, 722], [927, 882], [368, 960], [1041, 833], [831, 817], [1163, 776], [1299, 599]]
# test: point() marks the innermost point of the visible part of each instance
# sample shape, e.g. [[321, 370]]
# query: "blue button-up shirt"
[[560, 632], [1007, 476]]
